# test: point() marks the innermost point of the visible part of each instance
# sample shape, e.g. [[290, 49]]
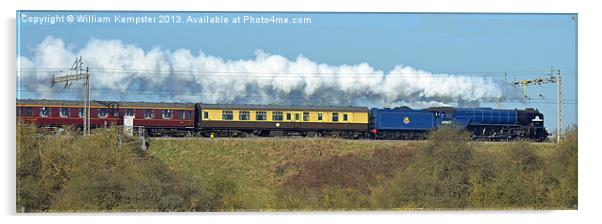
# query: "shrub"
[[31, 193], [105, 171], [342, 182], [439, 176], [512, 179], [564, 168]]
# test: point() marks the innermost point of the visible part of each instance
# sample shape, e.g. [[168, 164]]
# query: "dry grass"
[[65, 172], [260, 166]]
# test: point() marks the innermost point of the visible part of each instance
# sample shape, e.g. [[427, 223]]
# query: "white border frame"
[[589, 94]]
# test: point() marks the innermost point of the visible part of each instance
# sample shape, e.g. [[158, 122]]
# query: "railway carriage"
[[158, 119], [262, 120]]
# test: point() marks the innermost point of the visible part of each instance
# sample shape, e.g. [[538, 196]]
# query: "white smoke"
[[127, 72]]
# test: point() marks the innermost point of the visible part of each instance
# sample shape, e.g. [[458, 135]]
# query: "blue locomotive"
[[483, 123]]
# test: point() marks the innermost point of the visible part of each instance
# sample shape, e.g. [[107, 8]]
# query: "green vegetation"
[[102, 172], [107, 172]]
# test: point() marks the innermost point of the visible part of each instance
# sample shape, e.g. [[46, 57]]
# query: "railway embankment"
[[107, 172]]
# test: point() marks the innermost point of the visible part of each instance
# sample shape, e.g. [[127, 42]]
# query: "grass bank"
[[104, 172]]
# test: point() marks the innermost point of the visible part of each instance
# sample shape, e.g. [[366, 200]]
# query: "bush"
[[105, 171], [342, 182], [439, 177], [31, 192], [514, 179], [563, 169], [525, 176]]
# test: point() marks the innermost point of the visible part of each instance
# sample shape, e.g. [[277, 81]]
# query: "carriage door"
[[297, 120]]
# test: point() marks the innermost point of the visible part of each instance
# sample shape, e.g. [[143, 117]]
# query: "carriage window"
[[345, 116], [335, 117], [148, 114], [27, 111], [166, 114], [115, 113], [277, 115], [244, 116], [260, 116], [64, 112], [185, 115], [45, 112], [102, 113], [319, 116], [227, 115], [305, 116], [206, 115], [129, 112], [288, 116], [296, 116], [81, 112]]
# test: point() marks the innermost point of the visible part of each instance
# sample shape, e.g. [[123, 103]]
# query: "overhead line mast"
[[553, 78], [78, 73]]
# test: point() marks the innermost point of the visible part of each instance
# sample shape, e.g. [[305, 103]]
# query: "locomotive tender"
[[224, 120]]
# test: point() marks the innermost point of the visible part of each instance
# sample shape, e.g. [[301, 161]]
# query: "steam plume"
[[127, 72]]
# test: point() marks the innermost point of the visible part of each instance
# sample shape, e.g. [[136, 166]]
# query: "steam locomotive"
[[227, 120]]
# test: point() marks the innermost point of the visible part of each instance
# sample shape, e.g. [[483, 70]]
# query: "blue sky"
[[523, 45]]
